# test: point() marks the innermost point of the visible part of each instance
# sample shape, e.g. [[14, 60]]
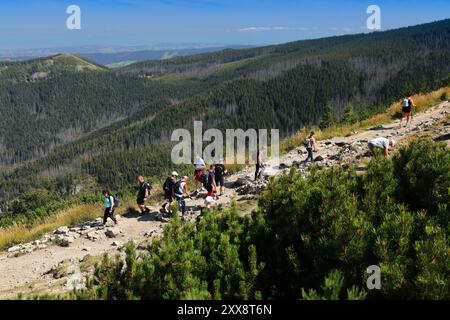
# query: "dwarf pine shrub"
[[309, 238]]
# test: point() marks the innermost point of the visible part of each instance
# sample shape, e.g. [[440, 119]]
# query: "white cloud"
[[265, 29]]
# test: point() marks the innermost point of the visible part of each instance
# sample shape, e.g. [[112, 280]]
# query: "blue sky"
[[42, 23]]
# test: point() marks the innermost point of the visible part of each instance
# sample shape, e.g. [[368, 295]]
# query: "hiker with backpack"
[[180, 190], [220, 171], [168, 188], [199, 165], [211, 185], [111, 203], [407, 105], [143, 193], [310, 144], [259, 164]]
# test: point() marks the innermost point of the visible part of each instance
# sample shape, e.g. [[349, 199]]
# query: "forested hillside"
[[113, 59], [64, 119]]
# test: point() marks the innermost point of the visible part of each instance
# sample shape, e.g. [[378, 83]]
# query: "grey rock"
[[15, 248], [112, 232], [252, 187], [319, 158], [64, 241], [284, 166], [62, 230], [247, 197], [93, 236], [361, 168]]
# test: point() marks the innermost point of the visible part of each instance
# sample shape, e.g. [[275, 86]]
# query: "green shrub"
[[423, 172], [207, 261], [309, 238]]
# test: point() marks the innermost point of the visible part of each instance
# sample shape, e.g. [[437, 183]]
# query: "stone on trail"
[[319, 158], [340, 143], [152, 232], [284, 166], [361, 168], [112, 232], [62, 230], [247, 197], [93, 236], [297, 164], [252, 187], [64, 241], [15, 248]]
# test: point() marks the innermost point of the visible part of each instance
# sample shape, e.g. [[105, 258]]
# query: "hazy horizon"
[[28, 25]]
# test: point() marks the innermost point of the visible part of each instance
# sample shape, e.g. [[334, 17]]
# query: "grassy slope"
[[423, 102]]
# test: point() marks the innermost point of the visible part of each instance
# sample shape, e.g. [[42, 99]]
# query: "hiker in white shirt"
[[199, 165], [381, 143]]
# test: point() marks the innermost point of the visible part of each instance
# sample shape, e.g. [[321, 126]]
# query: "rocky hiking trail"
[[59, 261]]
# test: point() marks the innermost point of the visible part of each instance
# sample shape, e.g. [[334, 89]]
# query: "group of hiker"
[[384, 144], [176, 189], [213, 180], [381, 143]]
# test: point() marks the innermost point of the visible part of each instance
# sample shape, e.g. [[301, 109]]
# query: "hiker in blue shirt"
[[110, 207]]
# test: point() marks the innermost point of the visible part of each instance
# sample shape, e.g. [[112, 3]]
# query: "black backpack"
[[116, 202], [148, 186], [220, 169], [176, 187], [167, 186], [204, 180]]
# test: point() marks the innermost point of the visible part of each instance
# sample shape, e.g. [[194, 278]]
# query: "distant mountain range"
[[116, 56], [64, 118]]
